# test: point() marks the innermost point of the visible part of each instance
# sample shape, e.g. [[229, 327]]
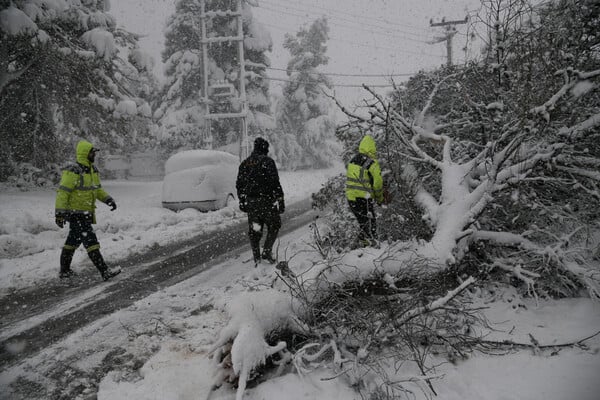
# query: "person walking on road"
[[76, 203], [364, 185], [261, 196]]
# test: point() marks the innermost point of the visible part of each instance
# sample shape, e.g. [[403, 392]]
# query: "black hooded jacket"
[[258, 179]]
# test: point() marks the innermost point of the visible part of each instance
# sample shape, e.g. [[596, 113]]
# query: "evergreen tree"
[[181, 109], [61, 78], [305, 112]]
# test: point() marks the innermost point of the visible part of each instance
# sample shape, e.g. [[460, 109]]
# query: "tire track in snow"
[[35, 319]]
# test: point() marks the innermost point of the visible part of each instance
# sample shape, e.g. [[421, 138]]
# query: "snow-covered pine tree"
[[306, 112], [61, 78], [180, 109]]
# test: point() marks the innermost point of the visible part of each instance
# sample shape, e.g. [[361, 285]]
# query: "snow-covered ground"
[[168, 332], [30, 242]]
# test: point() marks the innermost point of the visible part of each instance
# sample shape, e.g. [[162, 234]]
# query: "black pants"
[[364, 211], [81, 231], [259, 216]]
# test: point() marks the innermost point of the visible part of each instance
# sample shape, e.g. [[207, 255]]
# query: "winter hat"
[[261, 146]]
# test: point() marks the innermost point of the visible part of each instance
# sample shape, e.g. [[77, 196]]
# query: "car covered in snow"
[[200, 179]]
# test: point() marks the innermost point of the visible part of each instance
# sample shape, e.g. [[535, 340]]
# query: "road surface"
[[36, 318]]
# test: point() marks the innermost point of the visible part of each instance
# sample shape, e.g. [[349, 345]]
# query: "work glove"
[[243, 204], [111, 203], [60, 221], [280, 205]]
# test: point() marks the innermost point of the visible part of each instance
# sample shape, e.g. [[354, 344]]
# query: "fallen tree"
[[493, 171]]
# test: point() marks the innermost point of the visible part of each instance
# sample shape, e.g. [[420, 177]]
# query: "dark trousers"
[[259, 217], [81, 232], [364, 211]]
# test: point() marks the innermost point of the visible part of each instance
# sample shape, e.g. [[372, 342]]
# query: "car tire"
[[230, 201]]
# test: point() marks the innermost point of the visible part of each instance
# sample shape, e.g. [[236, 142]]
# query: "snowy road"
[[35, 319]]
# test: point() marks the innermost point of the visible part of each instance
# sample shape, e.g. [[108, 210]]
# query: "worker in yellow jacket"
[[76, 204], [364, 186]]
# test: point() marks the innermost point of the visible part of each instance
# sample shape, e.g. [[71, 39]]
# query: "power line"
[[287, 30], [361, 18], [317, 83], [342, 74], [360, 22], [347, 26]]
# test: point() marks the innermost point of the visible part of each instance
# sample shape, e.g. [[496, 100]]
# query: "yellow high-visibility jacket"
[[80, 186], [363, 175]]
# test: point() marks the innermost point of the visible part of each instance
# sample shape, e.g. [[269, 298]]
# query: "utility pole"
[[449, 34], [214, 92]]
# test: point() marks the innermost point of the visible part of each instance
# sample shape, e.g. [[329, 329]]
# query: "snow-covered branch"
[[504, 238], [521, 168], [241, 346], [576, 131], [436, 304], [572, 78], [586, 173], [421, 117]]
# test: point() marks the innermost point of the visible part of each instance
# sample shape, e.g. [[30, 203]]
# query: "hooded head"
[[261, 146], [367, 147], [83, 151]]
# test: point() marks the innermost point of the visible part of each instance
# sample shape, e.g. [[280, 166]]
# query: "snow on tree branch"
[[436, 304], [241, 346], [572, 78], [576, 131], [419, 121]]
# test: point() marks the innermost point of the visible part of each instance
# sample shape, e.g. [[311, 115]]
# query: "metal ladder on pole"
[[224, 89]]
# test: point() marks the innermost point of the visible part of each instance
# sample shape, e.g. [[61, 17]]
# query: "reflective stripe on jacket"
[[79, 186], [363, 175]]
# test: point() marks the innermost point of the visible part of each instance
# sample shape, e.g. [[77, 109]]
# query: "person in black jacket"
[[260, 195]]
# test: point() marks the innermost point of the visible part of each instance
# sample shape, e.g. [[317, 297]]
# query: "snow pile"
[[103, 43], [100, 19], [125, 108], [144, 110], [583, 87], [105, 103], [15, 22], [258, 37], [253, 316], [198, 158], [141, 60]]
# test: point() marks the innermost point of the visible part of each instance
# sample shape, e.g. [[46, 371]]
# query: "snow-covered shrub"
[[342, 226], [26, 176]]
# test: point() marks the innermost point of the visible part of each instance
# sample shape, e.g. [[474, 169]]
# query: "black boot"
[[66, 256], [98, 261], [255, 244], [256, 256], [268, 256]]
